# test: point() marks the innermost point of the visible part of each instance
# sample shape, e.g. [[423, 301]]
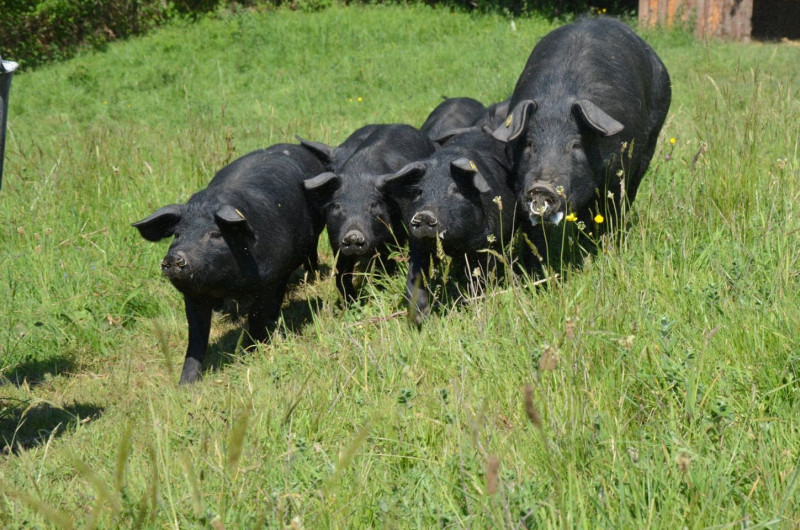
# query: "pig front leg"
[[344, 277], [416, 293], [198, 316]]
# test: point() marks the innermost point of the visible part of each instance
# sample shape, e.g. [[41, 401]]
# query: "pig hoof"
[[416, 317], [418, 308], [192, 372]]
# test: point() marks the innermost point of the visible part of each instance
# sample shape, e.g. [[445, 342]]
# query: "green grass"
[[664, 375]]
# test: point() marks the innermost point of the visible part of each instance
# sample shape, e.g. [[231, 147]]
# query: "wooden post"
[[729, 19]]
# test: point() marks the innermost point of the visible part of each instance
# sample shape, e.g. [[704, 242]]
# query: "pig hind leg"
[[264, 313], [312, 264]]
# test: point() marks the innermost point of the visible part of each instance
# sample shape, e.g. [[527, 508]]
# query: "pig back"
[[266, 186], [388, 148], [601, 60]]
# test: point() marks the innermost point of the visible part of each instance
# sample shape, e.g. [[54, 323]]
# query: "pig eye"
[[576, 144], [335, 207], [216, 234], [453, 190]]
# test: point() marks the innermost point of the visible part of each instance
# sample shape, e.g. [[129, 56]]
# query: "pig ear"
[[408, 173], [444, 137], [596, 118], [467, 165], [161, 223], [321, 181], [229, 217], [516, 121], [323, 152]]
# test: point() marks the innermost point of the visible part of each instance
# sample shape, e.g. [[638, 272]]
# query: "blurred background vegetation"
[[34, 32]]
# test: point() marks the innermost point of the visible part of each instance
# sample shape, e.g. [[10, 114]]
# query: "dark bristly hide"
[[242, 236], [584, 120], [460, 198], [362, 221]]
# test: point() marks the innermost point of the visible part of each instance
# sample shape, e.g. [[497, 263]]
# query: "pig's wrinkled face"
[[557, 151], [445, 204], [556, 164], [208, 257], [358, 218], [192, 262]]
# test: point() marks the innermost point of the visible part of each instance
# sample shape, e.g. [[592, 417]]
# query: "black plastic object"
[[6, 71]]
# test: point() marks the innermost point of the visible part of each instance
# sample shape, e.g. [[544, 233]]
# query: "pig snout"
[[424, 224], [174, 265], [545, 204], [353, 243]]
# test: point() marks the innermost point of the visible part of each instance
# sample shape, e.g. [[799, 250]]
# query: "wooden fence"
[[729, 19]]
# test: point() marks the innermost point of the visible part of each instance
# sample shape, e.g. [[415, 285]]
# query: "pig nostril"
[[425, 217], [180, 262], [353, 238]]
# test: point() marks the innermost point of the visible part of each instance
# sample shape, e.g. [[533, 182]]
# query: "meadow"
[[656, 386]]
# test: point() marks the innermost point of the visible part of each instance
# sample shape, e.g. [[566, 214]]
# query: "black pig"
[[460, 115], [241, 236], [460, 195], [452, 115], [495, 116], [335, 157], [361, 220], [585, 117]]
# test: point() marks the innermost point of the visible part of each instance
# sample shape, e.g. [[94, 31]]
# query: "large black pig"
[[335, 157], [243, 235], [452, 114], [585, 117], [362, 221], [459, 115], [460, 195]]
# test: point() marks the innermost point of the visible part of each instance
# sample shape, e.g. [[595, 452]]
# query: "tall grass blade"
[[124, 451], [346, 456], [56, 517], [233, 451]]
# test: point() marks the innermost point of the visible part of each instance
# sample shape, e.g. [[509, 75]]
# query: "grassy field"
[[658, 386]]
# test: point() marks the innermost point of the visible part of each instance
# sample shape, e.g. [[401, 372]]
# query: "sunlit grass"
[[657, 386]]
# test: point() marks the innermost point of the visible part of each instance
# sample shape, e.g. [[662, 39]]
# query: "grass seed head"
[[492, 475], [530, 409]]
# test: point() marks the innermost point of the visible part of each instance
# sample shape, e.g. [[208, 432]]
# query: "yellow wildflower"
[[571, 217], [359, 99], [598, 219], [672, 140]]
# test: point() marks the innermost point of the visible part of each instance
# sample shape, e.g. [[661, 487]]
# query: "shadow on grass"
[[295, 316], [25, 424], [37, 372]]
